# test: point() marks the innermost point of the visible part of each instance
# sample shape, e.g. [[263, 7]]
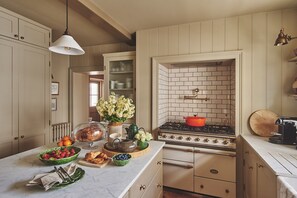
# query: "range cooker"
[[208, 136], [199, 159]]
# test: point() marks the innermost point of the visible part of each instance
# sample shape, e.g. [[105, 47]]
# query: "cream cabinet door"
[[250, 173], [33, 34], [9, 25], [8, 101], [34, 79], [266, 182]]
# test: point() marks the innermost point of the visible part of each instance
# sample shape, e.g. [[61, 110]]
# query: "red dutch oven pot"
[[195, 121]]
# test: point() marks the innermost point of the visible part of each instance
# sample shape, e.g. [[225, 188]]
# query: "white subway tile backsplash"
[[214, 82]]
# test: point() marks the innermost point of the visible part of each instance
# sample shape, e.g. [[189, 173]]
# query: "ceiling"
[[134, 15], [141, 14]]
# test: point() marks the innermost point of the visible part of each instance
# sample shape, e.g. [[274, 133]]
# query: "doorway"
[[85, 88], [95, 93]]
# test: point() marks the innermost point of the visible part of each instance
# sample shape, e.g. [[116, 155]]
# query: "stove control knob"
[[206, 140], [197, 139], [180, 137], [215, 141], [172, 137], [225, 142], [188, 138], [164, 136]]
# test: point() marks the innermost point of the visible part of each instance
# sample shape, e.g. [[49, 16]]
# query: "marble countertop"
[[110, 181]]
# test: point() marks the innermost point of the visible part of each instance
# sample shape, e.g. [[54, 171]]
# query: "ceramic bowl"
[[121, 159], [52, 161]]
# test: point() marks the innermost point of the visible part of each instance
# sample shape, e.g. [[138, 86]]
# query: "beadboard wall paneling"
[[259, 43], [266, 74], [195, 43], [274, 62], [206, 36], [218, 36], [289, 70]]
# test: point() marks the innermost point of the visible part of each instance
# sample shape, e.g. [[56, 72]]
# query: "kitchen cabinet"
[[259, 180], [178, 167], [119, 74], [150, 182], [215, 172], [20, 28], [25, 91]]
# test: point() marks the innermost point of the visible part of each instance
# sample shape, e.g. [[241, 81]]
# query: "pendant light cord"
[[66, 31]]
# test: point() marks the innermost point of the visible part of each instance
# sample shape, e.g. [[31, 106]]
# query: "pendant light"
[[66, 44]]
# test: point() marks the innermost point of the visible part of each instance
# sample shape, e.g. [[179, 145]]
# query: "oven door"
[[178, 167], [215, 164]]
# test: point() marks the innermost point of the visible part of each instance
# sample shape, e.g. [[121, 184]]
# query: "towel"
[[48, 180], [285, 190]]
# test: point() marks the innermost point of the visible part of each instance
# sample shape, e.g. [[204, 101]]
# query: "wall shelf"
[[294, 59]]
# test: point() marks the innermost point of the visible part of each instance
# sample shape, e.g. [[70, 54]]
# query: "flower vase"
[[142, 145], [115, 127]]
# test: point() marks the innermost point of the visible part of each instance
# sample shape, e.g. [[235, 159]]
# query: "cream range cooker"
[[199, 159]]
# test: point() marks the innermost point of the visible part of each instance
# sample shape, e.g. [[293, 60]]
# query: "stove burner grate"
[[208, 128]]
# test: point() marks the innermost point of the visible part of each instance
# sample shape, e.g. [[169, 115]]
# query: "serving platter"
[[136, 153], [79, 173]]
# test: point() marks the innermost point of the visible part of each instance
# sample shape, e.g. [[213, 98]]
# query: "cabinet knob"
[[250, 167], [22, 136], [159, 186], [159, 162], [22, 37], [201, 186], [260, 166], [16, 138], [227, 191], [142, 187], [16, 35]]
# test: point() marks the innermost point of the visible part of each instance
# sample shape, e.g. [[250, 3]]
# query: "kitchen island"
[[110, 181]]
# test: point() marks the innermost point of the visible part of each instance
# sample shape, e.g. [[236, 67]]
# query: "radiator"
[[59, 130]]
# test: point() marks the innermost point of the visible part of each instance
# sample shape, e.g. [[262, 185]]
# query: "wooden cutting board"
[[262, 122], [85, 163]]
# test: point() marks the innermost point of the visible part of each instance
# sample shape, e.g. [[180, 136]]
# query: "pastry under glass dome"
[[89, 133]]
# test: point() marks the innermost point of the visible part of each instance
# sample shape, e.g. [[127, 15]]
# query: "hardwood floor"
[[173, 193]]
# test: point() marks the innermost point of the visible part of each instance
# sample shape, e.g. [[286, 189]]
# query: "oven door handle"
[[172, 147], [187, 166], [215, 153]]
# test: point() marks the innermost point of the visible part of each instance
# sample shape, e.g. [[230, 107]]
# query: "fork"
[[65, 172], [59, 173]]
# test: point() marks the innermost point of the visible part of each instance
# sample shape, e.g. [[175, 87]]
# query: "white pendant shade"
[[66, 45]]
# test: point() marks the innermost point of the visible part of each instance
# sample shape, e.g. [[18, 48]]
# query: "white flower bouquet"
[[143, 136], [116, 109]]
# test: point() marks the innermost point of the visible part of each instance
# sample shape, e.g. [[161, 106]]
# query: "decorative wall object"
[[54, 104], [55, 88]]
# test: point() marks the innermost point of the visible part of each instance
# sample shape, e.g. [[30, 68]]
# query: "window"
[[94, 93]]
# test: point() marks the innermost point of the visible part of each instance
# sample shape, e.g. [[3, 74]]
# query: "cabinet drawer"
[[180, 153], [178, 174], [33, 34], [9, 25], [141, 184], [155, 187], [215, 187], [220, 165]]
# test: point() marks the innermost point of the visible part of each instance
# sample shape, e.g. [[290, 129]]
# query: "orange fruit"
[[60, 143], [67, 142], [66, 138]]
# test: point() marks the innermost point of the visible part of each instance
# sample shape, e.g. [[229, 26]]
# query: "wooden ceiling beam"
[[90, 11]]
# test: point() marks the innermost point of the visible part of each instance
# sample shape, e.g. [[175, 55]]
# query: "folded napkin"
[[48, 180]]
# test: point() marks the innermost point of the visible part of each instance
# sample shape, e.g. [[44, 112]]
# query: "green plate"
[[59, 161], [79, 173]]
